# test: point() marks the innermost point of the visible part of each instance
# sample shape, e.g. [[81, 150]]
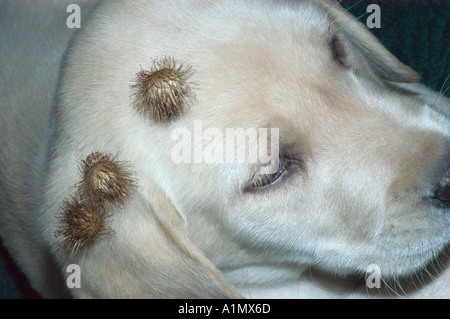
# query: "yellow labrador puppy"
[[116, 178]]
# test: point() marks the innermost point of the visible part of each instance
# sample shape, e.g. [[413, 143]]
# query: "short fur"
[[373, 146]]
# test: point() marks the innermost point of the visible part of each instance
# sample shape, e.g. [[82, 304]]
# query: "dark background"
[[416, 31]]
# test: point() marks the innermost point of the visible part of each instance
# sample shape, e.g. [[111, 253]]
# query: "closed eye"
[[338, 50], [260, 181]]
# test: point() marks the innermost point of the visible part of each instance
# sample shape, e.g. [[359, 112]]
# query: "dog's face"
[[359, 161], [359, 178]]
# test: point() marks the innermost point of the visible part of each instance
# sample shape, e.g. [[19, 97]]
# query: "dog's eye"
[[260, 181], [338, 49]]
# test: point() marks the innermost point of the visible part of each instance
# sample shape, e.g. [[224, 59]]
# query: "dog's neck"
[[270, 282]]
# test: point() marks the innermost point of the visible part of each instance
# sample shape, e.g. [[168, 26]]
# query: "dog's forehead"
[[265, 70], [282, 37]]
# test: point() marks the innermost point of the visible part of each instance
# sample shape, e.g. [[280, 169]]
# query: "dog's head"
[[360, 176]]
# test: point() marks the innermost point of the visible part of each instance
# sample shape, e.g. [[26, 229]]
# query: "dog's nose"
[[442, 192]]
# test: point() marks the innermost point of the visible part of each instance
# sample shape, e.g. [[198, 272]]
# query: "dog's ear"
[[368, 51], [147, 254], [189, 272]]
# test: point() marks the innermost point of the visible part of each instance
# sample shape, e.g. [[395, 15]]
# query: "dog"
[[93, 121]]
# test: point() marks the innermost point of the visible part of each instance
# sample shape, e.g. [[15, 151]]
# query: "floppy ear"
[[148, 254], [193, 275], [367, 47]]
